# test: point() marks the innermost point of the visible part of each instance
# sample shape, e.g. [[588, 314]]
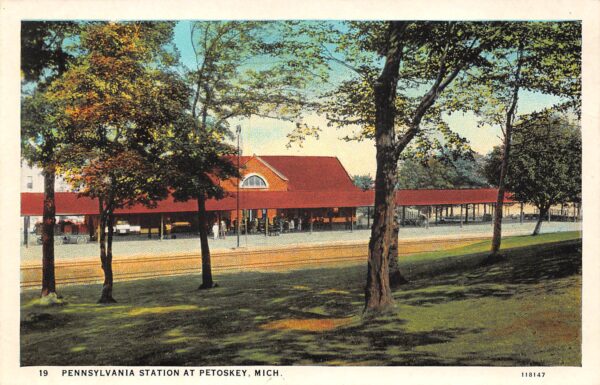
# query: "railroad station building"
[[313, 192]]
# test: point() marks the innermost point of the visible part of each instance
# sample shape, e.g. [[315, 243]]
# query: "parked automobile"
[[124, 228]]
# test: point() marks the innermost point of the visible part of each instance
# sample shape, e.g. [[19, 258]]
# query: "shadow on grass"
[[456, 280], [167, 321]]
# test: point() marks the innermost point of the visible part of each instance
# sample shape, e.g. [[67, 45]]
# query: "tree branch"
[[331, 57]]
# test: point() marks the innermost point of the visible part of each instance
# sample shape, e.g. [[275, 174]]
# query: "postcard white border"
[[13, 11]]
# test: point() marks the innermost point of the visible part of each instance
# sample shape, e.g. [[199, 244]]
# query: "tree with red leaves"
[[115, 103]]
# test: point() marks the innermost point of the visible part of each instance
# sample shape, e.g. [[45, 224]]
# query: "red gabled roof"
[[69, 204], [312, 173], [306, 173]]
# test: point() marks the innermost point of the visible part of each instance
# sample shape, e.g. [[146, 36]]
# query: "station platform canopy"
[[69, 203]]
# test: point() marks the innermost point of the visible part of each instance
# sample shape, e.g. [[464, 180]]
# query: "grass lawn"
[[524, 311], [484, 246]]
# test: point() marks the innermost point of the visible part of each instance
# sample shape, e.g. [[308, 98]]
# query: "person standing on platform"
[[292, 225], [300, 224], [223, 229], [215, 230]]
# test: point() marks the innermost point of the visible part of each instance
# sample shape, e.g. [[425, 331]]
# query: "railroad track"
[[86, 271]]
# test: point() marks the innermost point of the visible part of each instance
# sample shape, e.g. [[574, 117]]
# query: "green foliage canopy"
[[433, 54], [545, 165], [45, 55], [114, 102], [442, 173], [251, 68], [363, 182]]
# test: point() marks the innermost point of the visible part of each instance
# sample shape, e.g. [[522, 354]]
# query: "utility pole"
[[245, 226], [238, 130]]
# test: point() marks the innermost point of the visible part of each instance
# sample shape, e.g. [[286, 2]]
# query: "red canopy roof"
[[68, 203], [448, 197]]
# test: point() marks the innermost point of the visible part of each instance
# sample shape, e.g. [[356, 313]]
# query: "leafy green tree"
[[243, 69], [363, 182], [469, 172], [545, 163], [114, 104], [44, 57], [430, 174], [533, 56], [440, 173], [406, 69], [251, 68], [197, 159], [401, 68]]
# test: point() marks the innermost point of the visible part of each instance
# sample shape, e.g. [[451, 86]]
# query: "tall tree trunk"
[[508, 128], [207, 280], [538, 225], [396, 278], [107, 221], [497, 235], [49, 220], [49, 210], [378, 295]]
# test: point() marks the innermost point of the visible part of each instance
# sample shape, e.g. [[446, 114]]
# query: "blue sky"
[[268, 137], [182, 40]]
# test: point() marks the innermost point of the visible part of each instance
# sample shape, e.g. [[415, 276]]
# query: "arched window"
[[254, 181]]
